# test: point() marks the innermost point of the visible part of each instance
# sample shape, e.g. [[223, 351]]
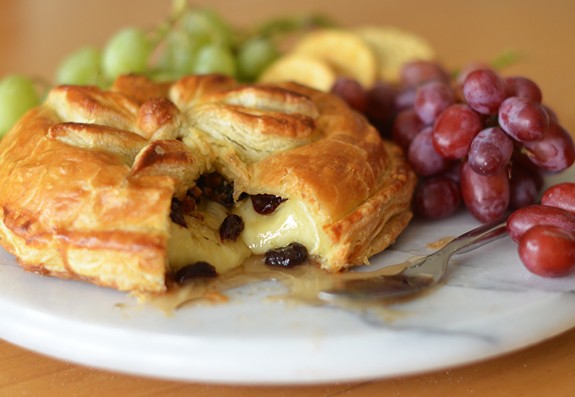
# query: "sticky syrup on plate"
[[442, 242], [302, 283]]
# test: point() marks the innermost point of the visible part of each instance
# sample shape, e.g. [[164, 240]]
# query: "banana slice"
[[393, 48], [301, 69], [343, 50]]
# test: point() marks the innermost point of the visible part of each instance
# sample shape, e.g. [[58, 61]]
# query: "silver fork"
[[417, 275]]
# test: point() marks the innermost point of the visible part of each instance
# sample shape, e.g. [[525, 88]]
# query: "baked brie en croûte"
[[124, 188]]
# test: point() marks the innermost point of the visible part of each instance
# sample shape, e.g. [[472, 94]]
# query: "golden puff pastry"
[[117, 187]]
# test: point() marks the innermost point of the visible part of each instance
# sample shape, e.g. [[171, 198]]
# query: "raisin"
[[216, 188], [194, 193], [231, 227], [179, 208], [289, 256], [265, 204], [195, 270], [243, 196], [188, 205], [177, 212]]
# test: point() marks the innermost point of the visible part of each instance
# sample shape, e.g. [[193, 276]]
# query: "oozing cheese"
[[200, 241], [290, 222]]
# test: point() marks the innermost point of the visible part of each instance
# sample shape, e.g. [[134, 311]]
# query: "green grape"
[[253, 57], [17, 95], [181, 51], [82, 67], [215, 59], [128, 51], [207, 25]]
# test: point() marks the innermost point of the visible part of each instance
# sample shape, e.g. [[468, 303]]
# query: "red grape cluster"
[[480, 139]]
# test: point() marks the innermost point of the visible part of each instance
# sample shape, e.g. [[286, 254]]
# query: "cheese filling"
[[290, 222], [200, 241]]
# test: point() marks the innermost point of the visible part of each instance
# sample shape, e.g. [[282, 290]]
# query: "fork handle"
[[477, 237]]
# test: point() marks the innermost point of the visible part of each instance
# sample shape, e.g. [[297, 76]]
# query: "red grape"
[[484, 90], [418, 72], [437, 197], [352, 92], [521, 161], [554, 152], [406, 126], [548, 251], [380, 104], [525, 218], [485, 196], [561, 196], [454, 171], [490, 151], [423, 157], [470, 67], [523, 87], [524, 187], [522, 119], [431, 99], [551, 113], [454, 130], [405, 98]]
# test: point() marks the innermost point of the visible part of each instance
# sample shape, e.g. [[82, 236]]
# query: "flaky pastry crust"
[[89, 176]]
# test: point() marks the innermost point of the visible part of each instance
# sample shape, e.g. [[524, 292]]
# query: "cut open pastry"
[[125, 187]]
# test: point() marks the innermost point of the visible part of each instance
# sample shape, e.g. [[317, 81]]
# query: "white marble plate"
[[489, 306]]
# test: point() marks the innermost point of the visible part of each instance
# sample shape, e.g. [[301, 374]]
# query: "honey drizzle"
[[303, 283]]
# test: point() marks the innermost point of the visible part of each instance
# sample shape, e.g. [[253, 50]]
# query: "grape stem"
[[287, 25], [159, 33], [507, 59], [502, 61]]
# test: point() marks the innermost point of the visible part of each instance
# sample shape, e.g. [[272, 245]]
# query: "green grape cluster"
[[191, 41]]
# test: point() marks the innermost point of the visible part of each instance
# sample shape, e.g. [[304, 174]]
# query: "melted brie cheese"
[[290, 222], [200, 241]]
